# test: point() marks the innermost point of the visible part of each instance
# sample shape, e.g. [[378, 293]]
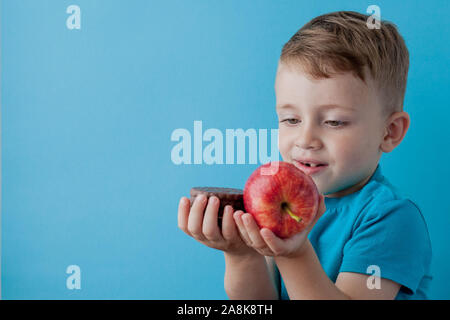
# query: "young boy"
[[339, 89]]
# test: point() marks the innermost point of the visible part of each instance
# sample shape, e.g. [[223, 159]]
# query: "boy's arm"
[[274, 275], [305, 278], [301, 270], [248, 278], [247, 275]]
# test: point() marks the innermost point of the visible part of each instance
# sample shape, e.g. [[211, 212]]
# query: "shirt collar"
[[376, 176]]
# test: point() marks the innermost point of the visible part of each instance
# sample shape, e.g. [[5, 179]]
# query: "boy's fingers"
[[273, 242], [229, 229], [241, 228], [183, 214], [322, 207], [253, 232], [195, 220], [320, 211], [210, 227]]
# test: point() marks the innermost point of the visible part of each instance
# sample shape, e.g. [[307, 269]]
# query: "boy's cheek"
[[283, 146]]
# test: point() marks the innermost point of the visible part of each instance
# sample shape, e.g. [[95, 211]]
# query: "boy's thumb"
[[322, 208]]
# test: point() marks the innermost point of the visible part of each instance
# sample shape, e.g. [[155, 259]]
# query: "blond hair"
[[341, 41]]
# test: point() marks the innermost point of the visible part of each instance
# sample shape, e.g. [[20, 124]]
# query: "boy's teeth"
[[310, 164]]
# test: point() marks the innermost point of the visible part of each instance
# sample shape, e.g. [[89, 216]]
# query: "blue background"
[[87, 116]]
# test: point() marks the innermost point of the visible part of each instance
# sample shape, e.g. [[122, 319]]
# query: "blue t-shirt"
[[374, 226]]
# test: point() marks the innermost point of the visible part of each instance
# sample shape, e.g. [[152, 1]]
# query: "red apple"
[[284, 201]]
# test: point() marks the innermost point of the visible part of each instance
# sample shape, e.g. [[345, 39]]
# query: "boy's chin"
[[338, 192], [327, 190], [322, 189]]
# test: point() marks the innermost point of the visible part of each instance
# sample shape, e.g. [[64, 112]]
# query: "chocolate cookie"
[[227, 196]]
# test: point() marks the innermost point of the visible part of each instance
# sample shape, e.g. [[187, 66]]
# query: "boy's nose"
[[307, 139]]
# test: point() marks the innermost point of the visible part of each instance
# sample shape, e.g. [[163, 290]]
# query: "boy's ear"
[[396, 126]]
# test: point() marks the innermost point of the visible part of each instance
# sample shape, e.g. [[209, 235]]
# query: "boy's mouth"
[[310, 167], [312, 164]]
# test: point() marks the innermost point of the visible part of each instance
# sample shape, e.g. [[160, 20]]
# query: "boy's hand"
[[267, 243], [202, 225]]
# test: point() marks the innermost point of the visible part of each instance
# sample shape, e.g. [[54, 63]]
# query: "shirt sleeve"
[[392, 236]]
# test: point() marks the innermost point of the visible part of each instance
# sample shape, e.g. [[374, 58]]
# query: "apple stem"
[[293, 216]]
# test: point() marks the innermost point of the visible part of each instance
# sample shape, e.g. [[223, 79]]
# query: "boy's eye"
[[291, 121], [335, 123]]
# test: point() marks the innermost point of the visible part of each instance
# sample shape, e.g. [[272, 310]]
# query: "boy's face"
[[345, 139]]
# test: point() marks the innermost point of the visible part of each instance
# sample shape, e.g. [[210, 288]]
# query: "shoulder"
[[389, 231], [379, 202], [379, 198]]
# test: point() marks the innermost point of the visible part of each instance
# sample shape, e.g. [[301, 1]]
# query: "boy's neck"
[[352, 189]]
